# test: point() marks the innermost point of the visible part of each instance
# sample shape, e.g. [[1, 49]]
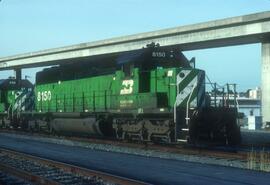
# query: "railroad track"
[[232, 154], [6, 178], [36, 170], [224, 156]]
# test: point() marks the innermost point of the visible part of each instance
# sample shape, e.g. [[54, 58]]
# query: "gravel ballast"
[[134, 151]]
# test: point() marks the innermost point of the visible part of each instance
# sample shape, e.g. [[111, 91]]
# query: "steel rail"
[[26, 175], [170, 148], [64, 166]]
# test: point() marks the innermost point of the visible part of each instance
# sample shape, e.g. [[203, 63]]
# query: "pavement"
[[148, 169]]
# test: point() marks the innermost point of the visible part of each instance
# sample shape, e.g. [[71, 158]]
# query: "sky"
[[33, 25]]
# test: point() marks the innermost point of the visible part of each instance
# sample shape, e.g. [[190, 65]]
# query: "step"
[[182, 140], [185, 129]]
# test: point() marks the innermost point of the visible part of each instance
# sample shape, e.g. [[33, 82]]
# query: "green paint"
[[111, 92]]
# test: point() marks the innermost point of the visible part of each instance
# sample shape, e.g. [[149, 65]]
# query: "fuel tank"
[[79, 126]]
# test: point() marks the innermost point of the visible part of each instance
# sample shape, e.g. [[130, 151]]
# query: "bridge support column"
[[18, 76], [265, 83]]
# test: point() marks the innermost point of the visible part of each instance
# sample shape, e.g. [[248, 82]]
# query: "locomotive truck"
[[151, 94]]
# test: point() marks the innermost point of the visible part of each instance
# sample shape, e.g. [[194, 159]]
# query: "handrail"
[[188, 104], [9, 111]]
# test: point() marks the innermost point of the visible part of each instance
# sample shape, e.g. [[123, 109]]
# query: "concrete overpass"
[[247, 29]]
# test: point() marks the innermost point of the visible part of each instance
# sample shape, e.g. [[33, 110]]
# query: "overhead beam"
[[246, 29]]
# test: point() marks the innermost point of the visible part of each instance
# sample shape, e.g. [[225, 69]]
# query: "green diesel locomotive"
[[152, 94]]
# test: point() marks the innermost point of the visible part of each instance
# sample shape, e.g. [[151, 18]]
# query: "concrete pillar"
[[18, 76], [265, 70]]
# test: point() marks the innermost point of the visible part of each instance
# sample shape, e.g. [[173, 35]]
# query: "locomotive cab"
[[150, 72]]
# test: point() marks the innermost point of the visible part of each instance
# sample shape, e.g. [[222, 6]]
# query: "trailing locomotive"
[[152, 94], [15, 97]]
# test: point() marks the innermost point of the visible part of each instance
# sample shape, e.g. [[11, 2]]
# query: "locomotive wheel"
[[3, 123], [145, 134], [194, 131], [120, 134], [193, 134], [126, 137], [172, 136], [51, 130]]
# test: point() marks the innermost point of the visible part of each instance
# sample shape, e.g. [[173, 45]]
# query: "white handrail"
[[175, 103], [8, 111], [174, 111], [187, 107]]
